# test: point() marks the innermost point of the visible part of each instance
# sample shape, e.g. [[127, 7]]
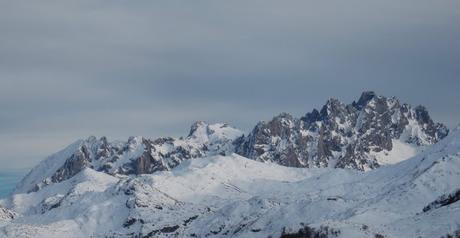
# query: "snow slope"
[[400, 152], [232, 196], [47, 167]]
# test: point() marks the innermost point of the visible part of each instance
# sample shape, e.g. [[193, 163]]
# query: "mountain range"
[[376, 167]]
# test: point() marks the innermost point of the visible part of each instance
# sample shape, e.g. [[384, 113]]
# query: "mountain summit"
[[362, 135], [138, 155]]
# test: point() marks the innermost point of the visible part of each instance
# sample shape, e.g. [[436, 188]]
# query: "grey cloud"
[[69, 69]]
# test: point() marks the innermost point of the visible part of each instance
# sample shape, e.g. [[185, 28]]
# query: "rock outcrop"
[[6, 214]]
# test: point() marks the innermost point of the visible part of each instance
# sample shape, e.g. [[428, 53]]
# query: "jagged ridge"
[[138, 155], [342, 136]]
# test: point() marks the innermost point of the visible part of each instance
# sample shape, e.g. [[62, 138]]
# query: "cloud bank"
[[70, 69]]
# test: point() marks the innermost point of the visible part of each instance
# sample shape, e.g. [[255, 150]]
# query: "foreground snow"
[[232, 196]]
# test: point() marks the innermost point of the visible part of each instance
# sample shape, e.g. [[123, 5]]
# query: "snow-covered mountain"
[[232, 196], [362, 135], [288, 178], [136, 156]]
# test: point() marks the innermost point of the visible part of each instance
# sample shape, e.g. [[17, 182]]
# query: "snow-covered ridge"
[[232, 196], [138, 155]]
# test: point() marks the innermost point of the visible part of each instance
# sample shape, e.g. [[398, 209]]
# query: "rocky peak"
[[311, 117], [422, 116], [198, 128], [280, 125], [138, 155], [334, 113], [204, 133], [366, 96], [332, 107], [341, 135]]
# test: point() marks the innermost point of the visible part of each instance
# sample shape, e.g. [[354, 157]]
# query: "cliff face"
[[340, 135]]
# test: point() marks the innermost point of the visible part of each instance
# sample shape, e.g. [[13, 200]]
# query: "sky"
[[75, 68]]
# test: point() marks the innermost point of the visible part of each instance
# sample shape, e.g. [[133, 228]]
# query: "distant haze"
[[70, 69]]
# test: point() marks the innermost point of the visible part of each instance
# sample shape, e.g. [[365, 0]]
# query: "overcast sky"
[[70, 69]]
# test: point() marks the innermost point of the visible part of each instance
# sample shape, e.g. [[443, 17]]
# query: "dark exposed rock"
[[455, 234], [312, 116], [364, 99], [169, 229], [310, 232], [6, 214], [186, 222], [443, 200], [154, 233], [129, 222], [51, 203], [76, 163]]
